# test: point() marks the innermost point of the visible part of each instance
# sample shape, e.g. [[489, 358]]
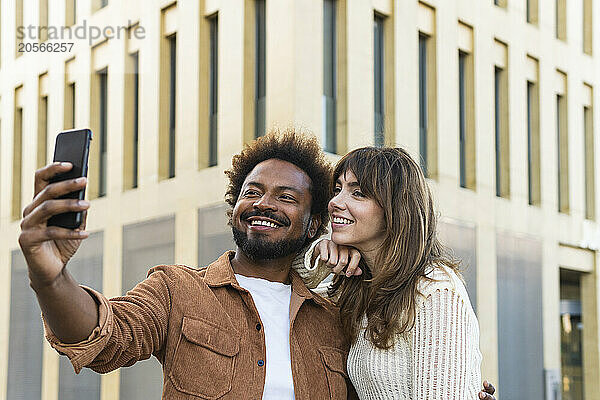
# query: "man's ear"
[[315, 223]]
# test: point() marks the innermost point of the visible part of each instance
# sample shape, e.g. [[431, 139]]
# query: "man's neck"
[[276, 270]]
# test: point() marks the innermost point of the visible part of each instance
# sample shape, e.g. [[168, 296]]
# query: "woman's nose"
[[337, 202]]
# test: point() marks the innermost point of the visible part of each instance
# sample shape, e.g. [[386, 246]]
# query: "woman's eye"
[[358, 193], [337, 190]]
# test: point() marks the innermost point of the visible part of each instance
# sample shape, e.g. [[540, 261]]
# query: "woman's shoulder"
[[440, 278]]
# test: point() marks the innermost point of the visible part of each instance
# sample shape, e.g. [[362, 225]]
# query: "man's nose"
[[265, 203]]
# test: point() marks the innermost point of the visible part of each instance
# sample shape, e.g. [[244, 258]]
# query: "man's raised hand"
[[48, 248]]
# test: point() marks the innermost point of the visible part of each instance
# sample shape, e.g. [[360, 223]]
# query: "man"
[[245, 327]]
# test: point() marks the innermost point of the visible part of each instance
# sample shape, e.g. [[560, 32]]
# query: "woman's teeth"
[[339, 220]]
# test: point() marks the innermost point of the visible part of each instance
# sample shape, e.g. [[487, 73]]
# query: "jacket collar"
[[220, 273]]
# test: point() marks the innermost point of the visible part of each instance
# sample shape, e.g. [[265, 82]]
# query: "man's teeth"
[[339, 220], [263, 223]]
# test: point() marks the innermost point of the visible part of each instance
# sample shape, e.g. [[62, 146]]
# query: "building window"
[[561, 19], [132, 116], [423, 101], [466, 120], [501, 131], [70, 12], [43, 17], [329, 76], [531, 11], [533, 144], [378, 79], [69, 122], [17, 154], [588, 27], [42, 131], [562, 153], [168, 86], [98, 4], [500, 3], [589, 156], [102, 134], [260, 70], [172, 100], [214, 91], [19, 34]]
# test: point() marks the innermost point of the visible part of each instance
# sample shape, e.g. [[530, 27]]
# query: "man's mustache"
[[266, 214]]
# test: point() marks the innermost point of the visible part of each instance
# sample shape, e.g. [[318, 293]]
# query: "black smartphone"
[[72, 146]]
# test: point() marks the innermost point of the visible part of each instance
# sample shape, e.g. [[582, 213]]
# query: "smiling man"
[[245, 327]]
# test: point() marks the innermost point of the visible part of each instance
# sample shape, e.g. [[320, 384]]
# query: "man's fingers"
[[37, 236], [55, 190], [49, 208], [44, 174]]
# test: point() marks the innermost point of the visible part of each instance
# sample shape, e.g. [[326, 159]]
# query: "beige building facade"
[[496, 98]]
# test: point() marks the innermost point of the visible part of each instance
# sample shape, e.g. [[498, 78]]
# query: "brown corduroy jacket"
[[206, 332]]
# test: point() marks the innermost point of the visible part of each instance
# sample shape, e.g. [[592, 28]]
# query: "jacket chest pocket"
[[334, 362], [204, 359]]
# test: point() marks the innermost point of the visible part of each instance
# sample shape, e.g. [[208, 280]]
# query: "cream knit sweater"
[[438, 359]]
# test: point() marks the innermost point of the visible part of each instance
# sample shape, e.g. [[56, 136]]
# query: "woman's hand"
[[342, 260]]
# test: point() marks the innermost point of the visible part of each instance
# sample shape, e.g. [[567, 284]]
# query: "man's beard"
[[259, 249]]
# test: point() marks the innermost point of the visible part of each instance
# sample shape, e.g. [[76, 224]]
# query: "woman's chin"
[[341, 239]]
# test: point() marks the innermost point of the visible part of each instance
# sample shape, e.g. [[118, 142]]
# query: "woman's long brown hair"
[[409, 250]]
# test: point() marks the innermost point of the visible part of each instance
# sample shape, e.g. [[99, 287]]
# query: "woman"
[[413, 331]]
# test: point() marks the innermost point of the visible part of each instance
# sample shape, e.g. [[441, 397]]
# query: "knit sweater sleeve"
[[312, 275], [446, 335]]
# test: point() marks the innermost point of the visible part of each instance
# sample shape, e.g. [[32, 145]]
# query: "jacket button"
[[260, 363], [258, 327]]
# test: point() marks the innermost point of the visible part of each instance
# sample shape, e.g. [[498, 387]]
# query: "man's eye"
[[287, 197], [250, 193]]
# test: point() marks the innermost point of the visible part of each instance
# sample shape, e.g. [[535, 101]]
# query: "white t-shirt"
[[272, 300]]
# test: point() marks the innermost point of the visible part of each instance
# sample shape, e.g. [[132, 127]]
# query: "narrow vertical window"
[[103, 122], [427, 89], [17, 154], [462, 117], [43, 20], [19, 27], [589, 158], [172, 101], [500, 3], [98, 4], [260, 70], [423, 101], [69, 97], [214, 91], [588, 27], [531, 11], [132, 119], [42, 126], [533, 144], [329, 76], [136, 117], [168, 82], [501, 130], [70, 12], [466, 108], [378, 80], [561, 19], [562, 153]]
